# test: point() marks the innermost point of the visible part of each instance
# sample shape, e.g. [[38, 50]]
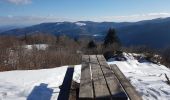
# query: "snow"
[[58, 23], [38, 46], [80, 24], [34, 84], [97, 35], [148, 78]]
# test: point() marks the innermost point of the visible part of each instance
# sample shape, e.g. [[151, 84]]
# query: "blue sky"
[[37, 11]]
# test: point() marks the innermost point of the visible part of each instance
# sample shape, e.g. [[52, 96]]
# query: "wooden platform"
[[100, 82]]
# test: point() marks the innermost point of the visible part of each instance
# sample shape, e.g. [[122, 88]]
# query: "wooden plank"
[[112, 82], [100, 86], [130, 90], [86, 89], [74, 91], [65, 88]]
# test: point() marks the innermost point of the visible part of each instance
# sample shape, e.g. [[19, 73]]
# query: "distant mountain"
[[68, 28], [10, 27], [154, 33]]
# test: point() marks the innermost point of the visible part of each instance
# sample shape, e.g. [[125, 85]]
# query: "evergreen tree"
[[92, 44], [111, 38]]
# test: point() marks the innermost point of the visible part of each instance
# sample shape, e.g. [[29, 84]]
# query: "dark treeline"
[[62, 50]]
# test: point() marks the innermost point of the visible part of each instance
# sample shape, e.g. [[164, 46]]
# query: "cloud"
[[19, 1], [30, 20], [133, 18]]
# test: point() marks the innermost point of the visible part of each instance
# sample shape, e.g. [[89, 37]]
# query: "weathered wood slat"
[[130, 90], [72, 94], [112, 82], [100, 86], [65, 88], [86, 89]]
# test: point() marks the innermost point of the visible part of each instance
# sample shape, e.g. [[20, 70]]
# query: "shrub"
[[60, 52], [91, 44]]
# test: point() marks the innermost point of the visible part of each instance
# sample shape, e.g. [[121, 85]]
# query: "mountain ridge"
[[153, 33]]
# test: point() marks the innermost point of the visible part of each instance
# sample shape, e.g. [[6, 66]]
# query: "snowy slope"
[[146, 77], [19, 85]]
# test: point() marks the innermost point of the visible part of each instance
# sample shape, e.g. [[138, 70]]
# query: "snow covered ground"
[[148, 78], [34, 84]]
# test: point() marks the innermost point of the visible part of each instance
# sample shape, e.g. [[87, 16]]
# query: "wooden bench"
[[128, 88], [66, 85], [99, 81]]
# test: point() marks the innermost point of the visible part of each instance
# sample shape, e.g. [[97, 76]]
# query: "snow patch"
[[97, 35], [80, 24], [37, 46], [58, 23]]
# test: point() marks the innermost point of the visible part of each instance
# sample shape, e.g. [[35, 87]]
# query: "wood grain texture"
[[100, 86], [86, 89], [130, 90], [113, 84]]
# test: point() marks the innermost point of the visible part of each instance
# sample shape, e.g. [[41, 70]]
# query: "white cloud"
[[10, 19], [133, 18], [19, 1], [29, 20]]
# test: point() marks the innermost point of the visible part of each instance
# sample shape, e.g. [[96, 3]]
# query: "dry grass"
[[15, 57], [61, 51]]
